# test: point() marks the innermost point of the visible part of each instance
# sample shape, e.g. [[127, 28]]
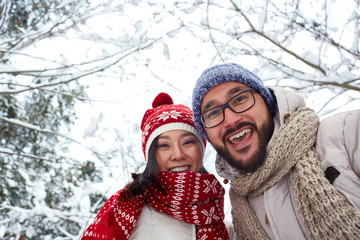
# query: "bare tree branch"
[[47, 131], [10, 152], [253, 29]]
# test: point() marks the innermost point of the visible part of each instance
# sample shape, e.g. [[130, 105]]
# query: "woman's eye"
[[189, 142], [163, 145]]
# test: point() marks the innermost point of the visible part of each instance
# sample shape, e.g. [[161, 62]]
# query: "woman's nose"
[[177, 153]]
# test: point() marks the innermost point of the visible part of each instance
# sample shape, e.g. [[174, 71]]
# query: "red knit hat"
[[166, 116]]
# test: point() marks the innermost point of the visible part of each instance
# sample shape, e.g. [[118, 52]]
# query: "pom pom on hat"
[[162, 99], [166, 116]]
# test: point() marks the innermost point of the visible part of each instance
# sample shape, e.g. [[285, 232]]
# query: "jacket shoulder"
[[340, 135], [338, 147]]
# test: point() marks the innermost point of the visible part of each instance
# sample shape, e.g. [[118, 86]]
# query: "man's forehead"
[[221, 93]]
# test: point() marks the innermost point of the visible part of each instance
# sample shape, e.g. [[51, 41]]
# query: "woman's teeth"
[[240, 134], [179, 169]]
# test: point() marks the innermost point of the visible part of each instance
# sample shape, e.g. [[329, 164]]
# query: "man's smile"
[[240, 137]]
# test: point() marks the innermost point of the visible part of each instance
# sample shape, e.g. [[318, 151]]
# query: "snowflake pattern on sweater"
[[190, 197]]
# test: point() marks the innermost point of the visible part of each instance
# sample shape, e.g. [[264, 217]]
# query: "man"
[[264, 138]]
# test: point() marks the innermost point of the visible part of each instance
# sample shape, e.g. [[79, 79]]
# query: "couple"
[[291, 176]]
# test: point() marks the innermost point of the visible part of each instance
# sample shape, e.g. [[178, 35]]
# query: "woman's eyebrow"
[[187, 134], [164, 137]]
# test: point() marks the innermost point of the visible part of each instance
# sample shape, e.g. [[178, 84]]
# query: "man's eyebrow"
[[208, 105], [229, 94], [234, 90]]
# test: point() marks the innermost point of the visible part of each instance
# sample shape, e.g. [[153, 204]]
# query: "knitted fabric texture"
[[228, 72], [166, 116], [190, 197], [326, 213]]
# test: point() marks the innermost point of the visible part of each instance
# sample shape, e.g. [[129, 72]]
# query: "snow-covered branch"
[[44, 131], [276, 43]]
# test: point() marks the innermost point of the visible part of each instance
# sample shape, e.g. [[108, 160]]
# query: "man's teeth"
[[240, 134], [179, 169]]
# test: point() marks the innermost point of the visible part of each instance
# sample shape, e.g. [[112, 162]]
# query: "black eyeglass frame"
[[227, 105]]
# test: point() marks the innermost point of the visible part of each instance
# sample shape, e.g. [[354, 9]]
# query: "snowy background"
[[92, 68]]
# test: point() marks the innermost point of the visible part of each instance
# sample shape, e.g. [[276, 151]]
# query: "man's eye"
[[239, 100], [213, 113]]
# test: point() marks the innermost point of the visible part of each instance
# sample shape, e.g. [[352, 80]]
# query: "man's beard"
[[257, 159]]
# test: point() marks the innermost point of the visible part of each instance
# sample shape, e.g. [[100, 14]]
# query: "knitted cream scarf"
[[326, 213]]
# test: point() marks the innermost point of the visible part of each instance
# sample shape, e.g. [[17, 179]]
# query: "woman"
[[175, 197]]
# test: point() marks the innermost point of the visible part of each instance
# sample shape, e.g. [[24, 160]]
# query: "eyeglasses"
[[238, 104]]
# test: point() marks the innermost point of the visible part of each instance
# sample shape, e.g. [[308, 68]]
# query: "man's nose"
[[231, 117]]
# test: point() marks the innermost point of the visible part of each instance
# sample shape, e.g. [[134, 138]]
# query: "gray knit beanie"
[[228, 72]]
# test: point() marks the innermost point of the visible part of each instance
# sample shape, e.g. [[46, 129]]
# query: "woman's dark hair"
[[150, 174]]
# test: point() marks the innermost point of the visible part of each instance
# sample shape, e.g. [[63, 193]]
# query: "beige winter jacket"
[[338, 146]]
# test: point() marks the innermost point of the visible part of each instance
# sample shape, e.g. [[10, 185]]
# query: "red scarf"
[[190, 197]]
